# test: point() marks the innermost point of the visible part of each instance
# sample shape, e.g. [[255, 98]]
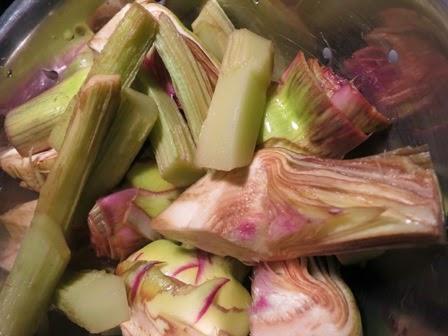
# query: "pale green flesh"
[[283, 119], [186, 308], [146, 175], [230, 132], [172, 142], [233, 294], [213, 28], [94, 300], [153, 206]]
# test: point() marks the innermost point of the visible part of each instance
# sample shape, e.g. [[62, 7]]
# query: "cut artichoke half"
[[287, 205], [316, 112], [304, 296]]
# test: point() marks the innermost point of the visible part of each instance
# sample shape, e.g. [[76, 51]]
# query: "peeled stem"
[[44, 254]]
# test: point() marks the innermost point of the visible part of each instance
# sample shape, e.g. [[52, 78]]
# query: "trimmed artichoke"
[[286, 205], [32, 171], [302, 297], [316, 112], [121, 222], [174, 290], [16, 222]]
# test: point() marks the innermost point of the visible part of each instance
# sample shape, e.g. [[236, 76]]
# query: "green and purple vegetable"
[[305, 295], [145, 136], [176, 290], [286, 205]]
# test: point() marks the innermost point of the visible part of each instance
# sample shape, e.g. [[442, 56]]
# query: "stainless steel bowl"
[[401, 293]]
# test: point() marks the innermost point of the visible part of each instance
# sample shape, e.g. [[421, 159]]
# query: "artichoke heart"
[[174, 290], [287, 205], [304, 296]]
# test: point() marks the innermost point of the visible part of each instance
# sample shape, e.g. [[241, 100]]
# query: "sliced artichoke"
[[302, 297], [174, 290], [287, 205], [276, 21], [316, 112]]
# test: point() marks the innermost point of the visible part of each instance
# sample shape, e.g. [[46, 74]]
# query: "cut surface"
[[316, 112], [302, 297], [94, 300], [172, 141], [229, 134], [175, 290], [287, 205], [213, 28]]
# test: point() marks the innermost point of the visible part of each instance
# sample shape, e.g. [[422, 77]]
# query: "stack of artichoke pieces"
[[287, 205]]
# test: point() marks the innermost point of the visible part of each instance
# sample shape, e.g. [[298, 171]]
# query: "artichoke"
[[287, 205], [174, 290], [304, 296]]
